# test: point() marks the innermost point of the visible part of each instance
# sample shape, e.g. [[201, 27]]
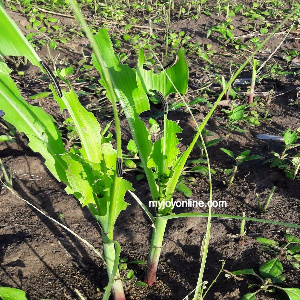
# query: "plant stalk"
[[165, 167], [109, 247], [233, 175], [155, 249], [204, 251], [251, 95], [112, 207], [7, 178], [269, 198], [159, 225], [109, 254], [167, 31], [106, 75], [296, 170], [243, 223]]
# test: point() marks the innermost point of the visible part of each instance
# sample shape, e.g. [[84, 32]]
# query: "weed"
[[247, 115], [7, 293], [268, 201], [290, 164], [270, 277], [239, 159], [290, 249]]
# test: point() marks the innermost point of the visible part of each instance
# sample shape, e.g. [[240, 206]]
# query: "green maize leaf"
[[13, 42], [44, 138], [178, 167], [124, 186], [7, 293], [132, 98], [103, 181], [79, 180], [130, 91], [271, 268], [110, 156], [178, 74], [104, 184], [35, 123], [156, 159], [293, 293], [104, 187], [122, 77], [121, 204], [86, 125]]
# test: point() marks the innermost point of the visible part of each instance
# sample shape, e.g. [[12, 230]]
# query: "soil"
[[46, 261]]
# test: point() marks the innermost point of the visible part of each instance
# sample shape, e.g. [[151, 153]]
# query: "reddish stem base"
[[117, 291], [150, 277]]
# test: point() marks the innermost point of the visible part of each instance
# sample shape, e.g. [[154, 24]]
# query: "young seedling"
[[243, 224], [239, 159], [289, 164], [246, 115], [290, 248], [268, 201], [270, 276], [7, 176], [224, 28]]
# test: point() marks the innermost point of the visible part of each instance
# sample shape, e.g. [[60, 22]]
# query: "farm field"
[[168, 70]]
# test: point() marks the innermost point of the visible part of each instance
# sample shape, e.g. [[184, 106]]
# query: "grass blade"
[[224, 216], [144, 207]]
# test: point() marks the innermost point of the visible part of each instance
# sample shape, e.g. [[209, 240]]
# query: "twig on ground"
[[271, 55], [260, 34], [55, 13]]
